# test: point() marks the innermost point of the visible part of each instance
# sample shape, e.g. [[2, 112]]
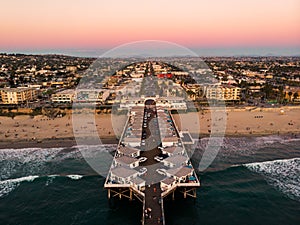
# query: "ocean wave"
[[34, 160], [283, 174], [75, 177], [7, 186], [239, 150], [276, 139]]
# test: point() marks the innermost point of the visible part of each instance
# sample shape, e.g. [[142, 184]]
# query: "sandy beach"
[[242, 122], [41, 131]]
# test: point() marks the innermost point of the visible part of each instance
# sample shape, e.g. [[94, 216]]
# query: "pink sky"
[[194, 23]]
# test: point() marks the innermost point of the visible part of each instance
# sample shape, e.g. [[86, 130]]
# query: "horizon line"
[[292, 51]]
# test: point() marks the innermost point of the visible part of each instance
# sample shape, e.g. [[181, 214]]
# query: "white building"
[[65, 96]]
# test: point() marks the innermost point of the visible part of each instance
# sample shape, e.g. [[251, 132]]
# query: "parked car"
[[158, 158], [161, 171], [142, 159], [143, 171]]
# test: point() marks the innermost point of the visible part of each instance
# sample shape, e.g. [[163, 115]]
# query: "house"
[[123, 175], [180, 174], [175, 161], [128, 151], [126, 161], [174, 150]]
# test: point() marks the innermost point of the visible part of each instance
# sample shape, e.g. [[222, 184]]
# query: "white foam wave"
[[75, 176], [35, 160], [6, 186], [50, 179], [283, 174]]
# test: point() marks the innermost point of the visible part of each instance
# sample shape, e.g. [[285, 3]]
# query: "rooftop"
[[123, 172], [173, 150], [126, 160], [177, 159], [127, 150]]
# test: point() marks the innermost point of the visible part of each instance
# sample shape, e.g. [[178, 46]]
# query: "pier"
[[151, 162]]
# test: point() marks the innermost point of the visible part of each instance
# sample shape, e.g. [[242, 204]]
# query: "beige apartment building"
[[17, 95], [223, 92]]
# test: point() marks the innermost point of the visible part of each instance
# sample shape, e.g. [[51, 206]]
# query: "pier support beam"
[[130, 195]]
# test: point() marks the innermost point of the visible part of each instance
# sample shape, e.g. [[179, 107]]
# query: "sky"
[[88, 25]]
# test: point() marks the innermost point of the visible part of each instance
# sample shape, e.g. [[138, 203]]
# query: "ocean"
[[253, 180]]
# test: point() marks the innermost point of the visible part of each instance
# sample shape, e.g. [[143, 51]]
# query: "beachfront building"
[[172, 102], [92, 95], [81, 95], [65, 96], [17, 95], [223, 92]]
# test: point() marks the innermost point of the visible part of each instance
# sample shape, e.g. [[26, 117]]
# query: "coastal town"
[[38, 93], [32, 81]]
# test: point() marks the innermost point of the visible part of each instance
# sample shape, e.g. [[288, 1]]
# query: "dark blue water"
[[252, 181]]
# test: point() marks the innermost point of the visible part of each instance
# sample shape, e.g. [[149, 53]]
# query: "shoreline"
[[43, 132], [71, 142], [49, 143]]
